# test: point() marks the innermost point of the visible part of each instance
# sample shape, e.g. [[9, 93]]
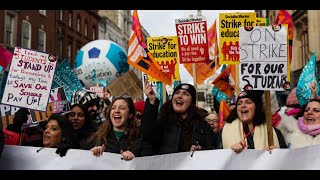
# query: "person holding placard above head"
[[246, 126]]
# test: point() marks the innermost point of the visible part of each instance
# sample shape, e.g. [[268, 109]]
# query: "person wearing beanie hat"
[[189, 88], [246, 125], [139, 106], [179, 126], [92, 101]]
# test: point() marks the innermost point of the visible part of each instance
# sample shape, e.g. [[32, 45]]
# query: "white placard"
[[29, 79], [263, 58]]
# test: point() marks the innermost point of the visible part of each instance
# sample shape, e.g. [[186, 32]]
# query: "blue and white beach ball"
[[100, 61]]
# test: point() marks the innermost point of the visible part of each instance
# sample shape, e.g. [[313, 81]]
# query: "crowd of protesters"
[[143, 128]]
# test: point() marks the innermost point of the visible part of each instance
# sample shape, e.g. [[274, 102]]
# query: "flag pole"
[[194, 72]]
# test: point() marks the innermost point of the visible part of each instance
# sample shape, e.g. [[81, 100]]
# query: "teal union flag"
[[309, 74]]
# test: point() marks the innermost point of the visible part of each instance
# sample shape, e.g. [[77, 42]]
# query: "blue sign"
[[309, 74], [65, 77]]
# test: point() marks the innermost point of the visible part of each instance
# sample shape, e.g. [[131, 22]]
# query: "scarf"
[[312, 130], [232, 133], [293, 111]]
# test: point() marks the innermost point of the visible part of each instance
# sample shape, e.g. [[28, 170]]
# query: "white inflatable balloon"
[[100, 61]]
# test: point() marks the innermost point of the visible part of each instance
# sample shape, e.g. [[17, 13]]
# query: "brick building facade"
[[61, 32]]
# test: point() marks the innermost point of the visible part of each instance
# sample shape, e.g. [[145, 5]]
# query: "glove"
[[62, 150], [21, 116]]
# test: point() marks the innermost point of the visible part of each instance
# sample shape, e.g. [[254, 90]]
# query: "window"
[[78, 24], [9, 30], [304, 47], [42, 40], [86, 28], [60, 48], [201, 96], [69, 50], [43, 12], [61, 15], [26, 34], [94, 33], [70, 19]]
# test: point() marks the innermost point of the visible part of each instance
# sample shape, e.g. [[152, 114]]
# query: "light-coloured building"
[[115, 25], [306, 38]]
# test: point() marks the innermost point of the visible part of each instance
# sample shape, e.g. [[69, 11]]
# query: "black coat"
[[115, 145], [165, 136]]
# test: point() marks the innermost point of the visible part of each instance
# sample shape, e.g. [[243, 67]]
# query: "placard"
[[29, 79]]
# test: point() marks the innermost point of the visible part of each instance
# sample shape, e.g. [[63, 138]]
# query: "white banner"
[[27, 158]]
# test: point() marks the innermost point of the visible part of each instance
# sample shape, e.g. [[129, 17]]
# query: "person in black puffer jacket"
[[179, 127]]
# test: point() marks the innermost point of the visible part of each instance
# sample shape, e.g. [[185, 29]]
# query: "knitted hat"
[[254, 95], [139, 106], [84, 97], [188, 87], [292, 99]]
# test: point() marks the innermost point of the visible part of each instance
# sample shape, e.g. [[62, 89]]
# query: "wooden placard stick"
[[268, 117], [194, 72]]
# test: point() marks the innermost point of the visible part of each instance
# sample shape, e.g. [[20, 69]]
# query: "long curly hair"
[[100, 136]]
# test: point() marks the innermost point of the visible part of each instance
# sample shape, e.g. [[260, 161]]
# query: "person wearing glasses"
[[119, 133], [179, 126], [213, 120], [246, 127]]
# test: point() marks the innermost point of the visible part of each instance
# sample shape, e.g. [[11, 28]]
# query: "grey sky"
[[162, 23]]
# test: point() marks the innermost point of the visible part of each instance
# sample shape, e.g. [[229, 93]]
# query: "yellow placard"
[[165, 51], [261, 21], [229, 35]]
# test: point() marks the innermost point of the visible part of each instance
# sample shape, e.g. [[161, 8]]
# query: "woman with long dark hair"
[[179, 126], [246, 125]]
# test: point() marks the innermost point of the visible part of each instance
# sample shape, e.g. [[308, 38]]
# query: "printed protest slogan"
[[192, 39], [205, 70], [66, 77], [29, 79], [57, 103], [165, 51], [59, 100], [140, 57], [229, 35], [262, 22], [263, 58], [99, 90]]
